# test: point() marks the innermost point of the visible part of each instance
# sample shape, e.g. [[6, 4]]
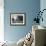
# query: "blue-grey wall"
[[43, 6], [30, 7]]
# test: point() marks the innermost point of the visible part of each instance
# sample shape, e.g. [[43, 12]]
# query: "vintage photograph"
[[17, 18]]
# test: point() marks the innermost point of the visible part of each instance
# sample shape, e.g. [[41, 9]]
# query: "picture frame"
[[17, 19]]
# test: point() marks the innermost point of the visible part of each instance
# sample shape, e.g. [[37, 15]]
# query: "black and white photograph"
[[17, 18]]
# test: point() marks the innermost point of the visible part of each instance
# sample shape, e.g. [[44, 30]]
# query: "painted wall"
[[30, 7], [43, 6], [1, 20]]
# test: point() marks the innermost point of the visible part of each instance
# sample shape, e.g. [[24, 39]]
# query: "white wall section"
[[1, 20]]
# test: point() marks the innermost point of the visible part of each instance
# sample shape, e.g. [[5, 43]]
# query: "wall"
[[30, 7], [1, 20], [43, 6]]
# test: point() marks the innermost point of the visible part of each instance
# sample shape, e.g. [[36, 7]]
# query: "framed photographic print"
[[17, 18]]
